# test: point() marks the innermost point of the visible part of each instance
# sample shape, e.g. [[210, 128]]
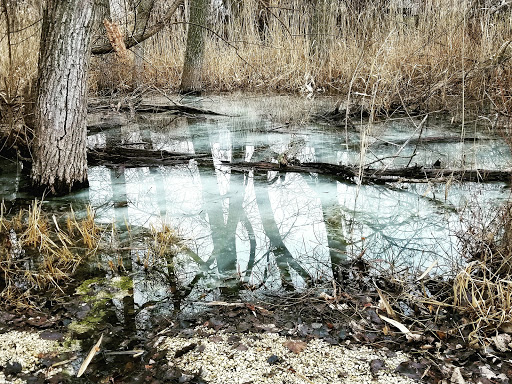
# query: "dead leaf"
[[295, 346], [242, 347], [506, 327], [325, 296], [384, 304], [457, 377], [263, 311], [411, 369], [503, 342], [376, 365], [408, 334], [487, 373], [186, 349], [442, 335]]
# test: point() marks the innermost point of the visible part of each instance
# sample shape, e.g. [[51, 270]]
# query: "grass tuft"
[[482, 290], [38, 254]]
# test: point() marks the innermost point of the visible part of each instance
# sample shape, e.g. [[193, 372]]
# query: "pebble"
[[320, 362]]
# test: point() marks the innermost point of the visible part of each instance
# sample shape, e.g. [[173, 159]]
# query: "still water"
[[282, 229]]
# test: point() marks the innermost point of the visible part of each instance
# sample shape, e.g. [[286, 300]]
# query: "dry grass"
[[482, 290], [164, 244], [454, 54], [37, 253]]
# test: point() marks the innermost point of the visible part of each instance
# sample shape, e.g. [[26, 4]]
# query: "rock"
[[13, 368]]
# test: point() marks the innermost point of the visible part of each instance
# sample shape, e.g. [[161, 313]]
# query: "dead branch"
[[141, 35]]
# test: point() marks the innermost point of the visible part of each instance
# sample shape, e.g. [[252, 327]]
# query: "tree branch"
[[140, 35]]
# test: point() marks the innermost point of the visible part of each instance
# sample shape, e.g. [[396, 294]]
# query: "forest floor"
[[318, 336]]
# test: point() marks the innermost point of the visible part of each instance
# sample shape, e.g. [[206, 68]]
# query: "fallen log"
[[137, 157], [414, 174], [431, 140], [421, 175], [135, 105]]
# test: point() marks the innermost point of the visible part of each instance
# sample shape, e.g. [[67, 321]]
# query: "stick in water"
[[88, 359]]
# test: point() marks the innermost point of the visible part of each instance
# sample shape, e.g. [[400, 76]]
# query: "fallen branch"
[[133, 158], [134, 105]]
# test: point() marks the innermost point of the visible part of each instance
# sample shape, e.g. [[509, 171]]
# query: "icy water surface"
[[282, 229]]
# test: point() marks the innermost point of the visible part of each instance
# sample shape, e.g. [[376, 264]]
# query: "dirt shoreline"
[[292, 338]]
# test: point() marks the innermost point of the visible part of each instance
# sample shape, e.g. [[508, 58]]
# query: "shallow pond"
[[278, 229]]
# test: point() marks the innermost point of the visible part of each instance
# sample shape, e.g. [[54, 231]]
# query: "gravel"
[[20, 351], [263, 358]]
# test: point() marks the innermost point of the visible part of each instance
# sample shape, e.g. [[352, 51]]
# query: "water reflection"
[[276, 230], [281, 229]]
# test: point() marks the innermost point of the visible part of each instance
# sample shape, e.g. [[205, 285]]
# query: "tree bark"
[[60, 157], [191, 80]]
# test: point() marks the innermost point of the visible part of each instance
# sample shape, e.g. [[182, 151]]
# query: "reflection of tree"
[[336, 239], [120, 200], [224, 231], [224, 215], [283, 256], [240, 213], [396, 228]]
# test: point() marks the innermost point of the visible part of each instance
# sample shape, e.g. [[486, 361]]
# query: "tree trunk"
[[60, 157], [321, 28], [191, 80], [143, 11]]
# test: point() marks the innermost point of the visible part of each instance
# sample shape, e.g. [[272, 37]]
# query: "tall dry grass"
[[451, 54], [482, 289], [451, 49]]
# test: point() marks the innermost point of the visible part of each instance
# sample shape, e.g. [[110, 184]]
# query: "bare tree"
[[191, 79], [59, 151]]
